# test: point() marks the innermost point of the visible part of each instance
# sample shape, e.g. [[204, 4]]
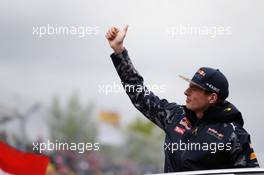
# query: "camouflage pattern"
[[216, 141]]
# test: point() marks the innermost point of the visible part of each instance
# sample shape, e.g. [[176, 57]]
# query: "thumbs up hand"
[[116, 37]]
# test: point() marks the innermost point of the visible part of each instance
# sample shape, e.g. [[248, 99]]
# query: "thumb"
[[125, 29]]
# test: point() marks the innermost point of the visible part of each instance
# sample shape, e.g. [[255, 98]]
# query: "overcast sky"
[[34, 68]]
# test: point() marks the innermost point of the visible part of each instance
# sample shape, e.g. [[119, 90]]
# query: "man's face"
[[197, 100]]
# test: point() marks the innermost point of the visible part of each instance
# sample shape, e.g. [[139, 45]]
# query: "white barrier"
[[244, 171]]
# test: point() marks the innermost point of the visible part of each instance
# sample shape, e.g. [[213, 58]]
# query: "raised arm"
[[155, 109]]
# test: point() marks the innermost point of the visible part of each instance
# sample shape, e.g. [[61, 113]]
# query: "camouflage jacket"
[[216, 141]]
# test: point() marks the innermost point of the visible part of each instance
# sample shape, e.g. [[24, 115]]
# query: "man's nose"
[[187, 92]]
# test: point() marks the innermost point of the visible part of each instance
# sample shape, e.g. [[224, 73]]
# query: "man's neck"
[[199, 114]]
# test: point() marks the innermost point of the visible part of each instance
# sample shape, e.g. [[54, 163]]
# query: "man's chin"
[[187, 106]]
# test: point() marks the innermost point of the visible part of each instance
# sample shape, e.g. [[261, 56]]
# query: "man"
[[206, 133]]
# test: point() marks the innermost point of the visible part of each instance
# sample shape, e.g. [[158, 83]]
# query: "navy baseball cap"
[[211, 80]]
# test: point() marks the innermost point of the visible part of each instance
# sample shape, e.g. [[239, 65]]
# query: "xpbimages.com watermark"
[[182, 146], [79, 31], [117, 87], [211, 31], [80, 147]]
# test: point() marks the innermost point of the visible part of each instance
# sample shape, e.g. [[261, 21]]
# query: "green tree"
[[73, 123], [144, 143]]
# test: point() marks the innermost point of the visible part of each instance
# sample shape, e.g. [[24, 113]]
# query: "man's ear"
[[213, 98]]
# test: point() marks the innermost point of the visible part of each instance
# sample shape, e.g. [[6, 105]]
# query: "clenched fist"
[[116, 37]]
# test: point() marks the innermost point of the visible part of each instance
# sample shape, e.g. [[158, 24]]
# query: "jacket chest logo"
[[179, 130], [215, 133], [186, 125]]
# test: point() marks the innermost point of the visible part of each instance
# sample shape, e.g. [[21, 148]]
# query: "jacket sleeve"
[[155, 109], [242, 153]]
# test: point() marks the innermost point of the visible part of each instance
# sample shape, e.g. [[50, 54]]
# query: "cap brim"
[[192, 82]]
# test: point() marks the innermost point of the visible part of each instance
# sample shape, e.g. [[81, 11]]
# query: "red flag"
[[17, 162]]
